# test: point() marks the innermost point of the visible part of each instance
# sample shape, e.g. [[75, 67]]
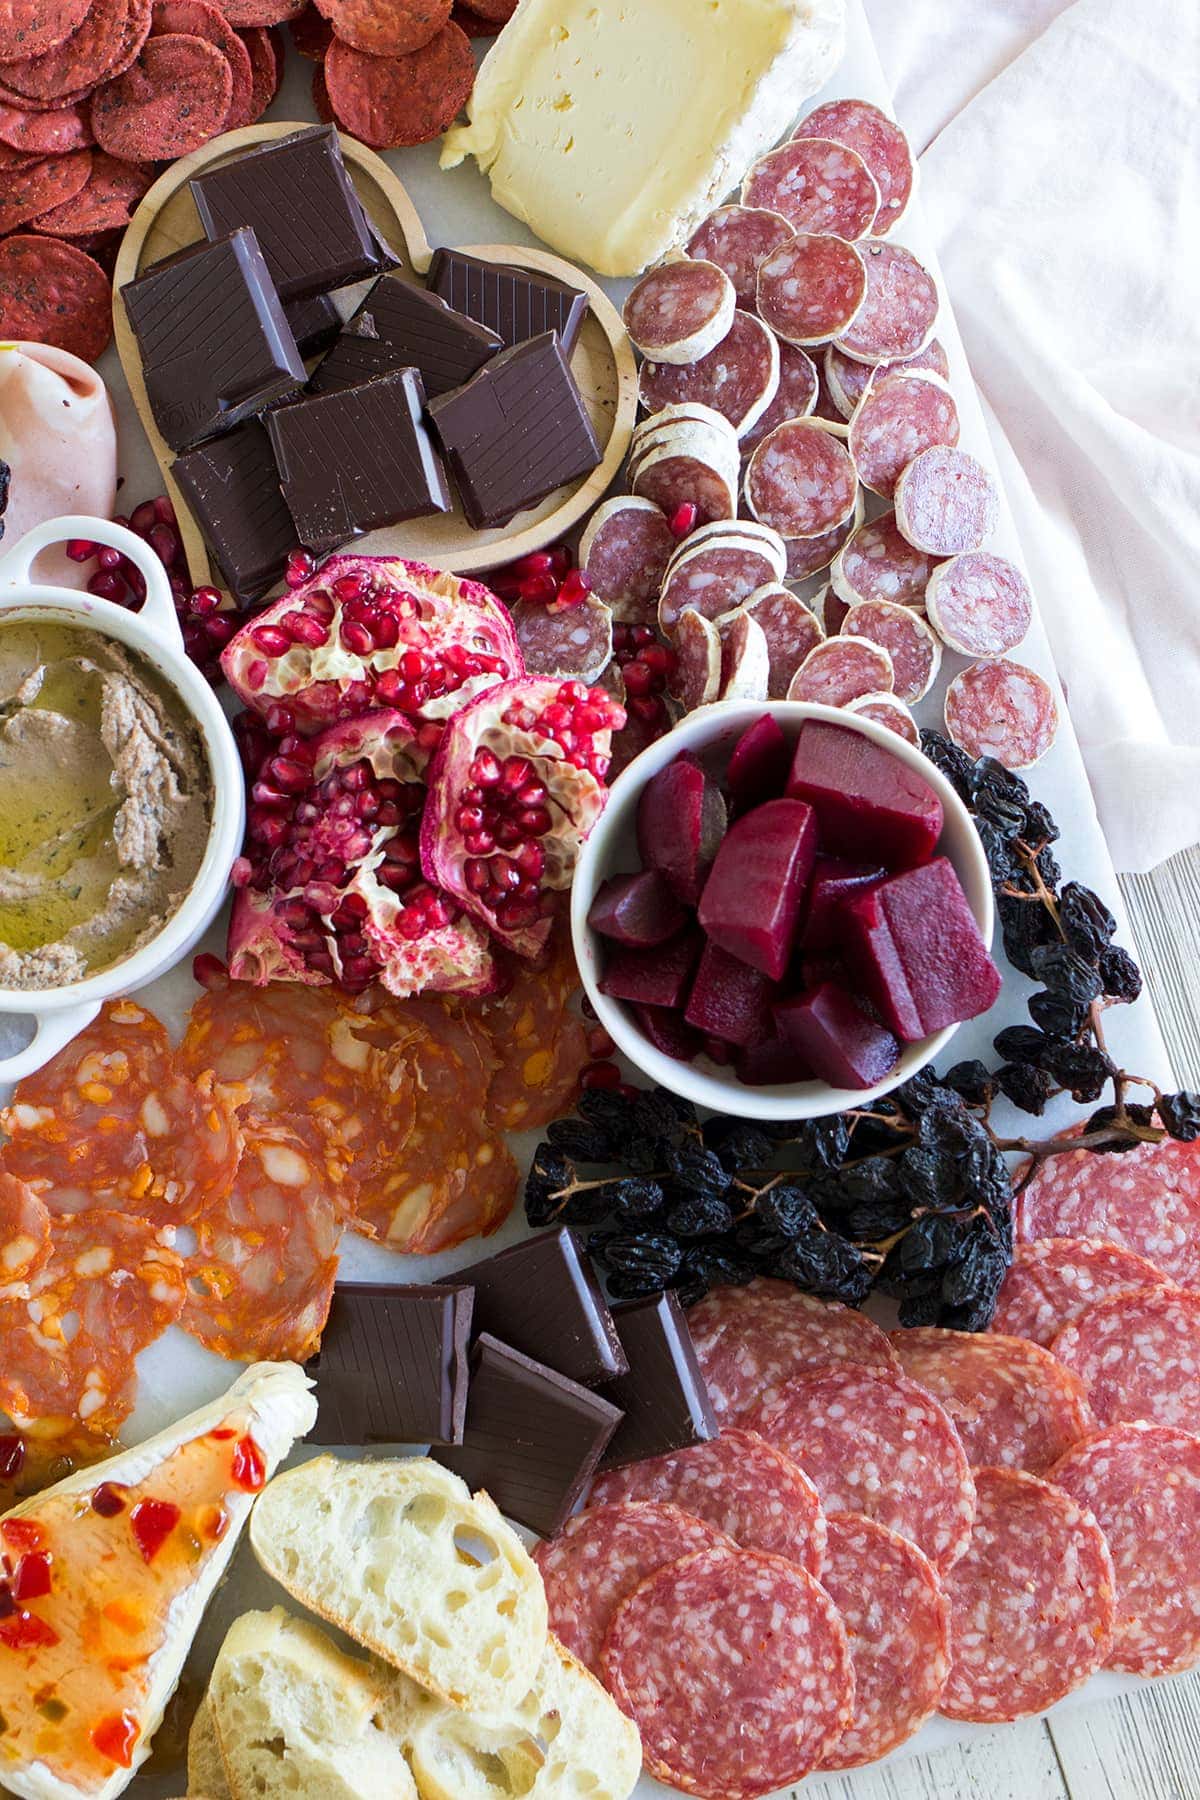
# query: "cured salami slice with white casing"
[[738, 1483], [1138, 1356], [716, 574], [696, 680], [896, 1619], [662, 430], [871, 1441], [734, 1666], [738, 378], [811, 288], [946, 502], [791, 630], [800, 480], [901, 631], [1031, 1602], [1015, 1406], [876, 563], [892, 714], [745, 660], [847, 380], [737, 238], [831, 609], [795, 396], [624, 552], [679, 311], [817, 185], [1052, 1280], [723, 530], [894, 421], [575, 642], [842, 668], [1141, 1483], [689, 470], [1147, 1200], [899, 313], [808, 556], [979, 604], [1002, 709], [882, 146]]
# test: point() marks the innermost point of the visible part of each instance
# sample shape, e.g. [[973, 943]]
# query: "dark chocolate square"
[[298, 196], [542, 1297], [352, 461], [315, 323], [664, 1396], [393, 1365], [232, 486], [518, 303], [401, 326], [215, 346], [533, 1438]]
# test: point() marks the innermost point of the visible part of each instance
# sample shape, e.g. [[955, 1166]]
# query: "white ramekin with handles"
[[153, 633]]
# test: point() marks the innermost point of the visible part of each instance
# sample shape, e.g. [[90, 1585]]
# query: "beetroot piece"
[[752, 899], [843, 1045], [669, 1032], [639, 910], [832, 882], [823, 965], [871, 806], [330, 885], [775, 1062], [914, 950], [516, 785], [657, 977], [729, 999], [759, 765], [681, 821]]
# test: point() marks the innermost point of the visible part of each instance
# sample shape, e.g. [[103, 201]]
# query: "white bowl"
[[612, 850], [153, 632]]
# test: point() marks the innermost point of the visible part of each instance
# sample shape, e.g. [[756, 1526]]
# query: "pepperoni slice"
[[842, 669], [882, 146], [737, 238], [898, 315], [878, 564], [1138, 1356], [537, 1039], [738, 378], [1146, 1199], [624, 553], [817, 185], [1052, 1280], [795, 396], [946, 502], [979, 604], [1002, 709], [800, 480], [811, 288], [896, 419], [901, 631]]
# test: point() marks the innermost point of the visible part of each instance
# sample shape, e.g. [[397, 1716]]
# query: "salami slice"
[[738, 378], [677, 478], [538, 1039], [791, 630], [895, 1614], [680, 310], [688, 425], [1013, 1403], [800, 480], [876, 563], [745, 661], [882, 146], [737, 238], [1032, 1602], [795, 396], [24, 1230], [946, 502], [894, 421], [898, 315], [1147, 1200], [901, 631], [624, 552], [697, 678], [811, 288], [599, 1558], [886, 710], [979, 604], [740, 1485], [847, 381], [1141, 1483], [735, 1668], [874, 1442], [1002, 709], [574, 642], [1138, 1356], [841, 669], [749, 1340], [716, 575], [817, 185], [831, 609], [808, 556], [1052, 1280]]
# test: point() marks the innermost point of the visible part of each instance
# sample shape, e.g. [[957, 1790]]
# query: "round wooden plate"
[[602, 364]]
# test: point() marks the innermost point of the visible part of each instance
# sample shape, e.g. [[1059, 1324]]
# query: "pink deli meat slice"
[[896, 419], [817, 185], [881, 144], [624, 553], [847, 380], [946, 502], [738, 379], [979, 604], [901, 631], [1053, 1279], [842, 669], [737, 238], [1138, 1356], [897, 318], [1002, 709], [811, 288], [1147, 1200], [878, 564], [800, 480]]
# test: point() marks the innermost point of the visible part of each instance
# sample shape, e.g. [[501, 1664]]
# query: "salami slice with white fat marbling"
[[847, 381], [735, 1667], [689, 425], [899, 313], [831, 609], [808, 556], [737, 238], [680, 310], [575, 642], [946, 502], [1053, 1279], [876, 563], [979, 604], [882, 146], [892, 714], [840, 669], [901, 631], [800, 480], [817, 185], [738, 378], [791, 630], [696, 680], [745, 661], [795, 396], [894, 421], [718, 574], [1147, 1200], [624, 552], [1138, 1356], [681, 477], [874, 1442], [1032, 1603], [1002, 709], [811, 288], [896, 1619], [1141, 1483]]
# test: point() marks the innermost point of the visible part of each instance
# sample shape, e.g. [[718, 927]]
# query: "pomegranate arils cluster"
[[543, 578], [646, 666]]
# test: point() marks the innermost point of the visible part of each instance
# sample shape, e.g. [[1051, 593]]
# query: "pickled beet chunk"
[[841, 1043], [871, 807], [681, 820], [833, 881], [759, 765], [639, 910], [775, 1062], [729, 999], [914, 950], [654, 977], [669, 1032], [752, 899]]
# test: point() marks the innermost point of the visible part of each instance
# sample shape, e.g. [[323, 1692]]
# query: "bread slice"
[[566, 1741], [205, 1770], [406, 1561]]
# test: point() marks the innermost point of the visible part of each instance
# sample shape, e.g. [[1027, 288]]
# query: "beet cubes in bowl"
[[777, 909]]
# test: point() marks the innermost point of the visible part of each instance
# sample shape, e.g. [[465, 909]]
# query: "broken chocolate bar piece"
[[533, 1439], [215, 346], [400, 326], [357, 459], [515, 432], [297, 195], [518, 303], [664, 1397], [542, 1298], [232, 486], [393, 1365], [315, 323]]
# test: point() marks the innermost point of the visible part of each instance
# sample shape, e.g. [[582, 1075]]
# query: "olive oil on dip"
[[105, 802]]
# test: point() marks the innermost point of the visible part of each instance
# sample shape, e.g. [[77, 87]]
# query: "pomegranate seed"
[[517, 771], [683, 519], [479, 843], [106, 584], [575, 588], [560, 560], [288, 775], [142, 518], [356, 638], [648, 708], [641, 635], [108, 558], [81, 550], [638, 678], [599, 1043], [300, 566], [535, 820], [271, 639], [164, 512], [538, 562], [658, 658], [242, 872], [601, 1075], [469, 818], [204, 601], [485, 768], [387, 631], [538, 590], [164, 541]]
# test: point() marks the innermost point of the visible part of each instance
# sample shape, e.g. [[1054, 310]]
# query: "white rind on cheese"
[[612, 127]]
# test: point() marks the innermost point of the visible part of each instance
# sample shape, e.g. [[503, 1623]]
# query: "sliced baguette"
[[401, 1557], [205, 1770]]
